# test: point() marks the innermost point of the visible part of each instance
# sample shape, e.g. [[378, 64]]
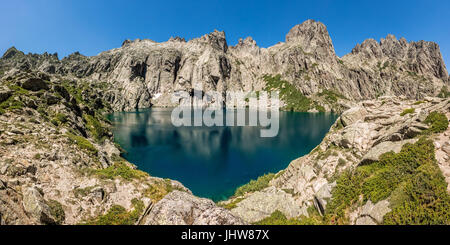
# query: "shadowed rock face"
[[145, 73]]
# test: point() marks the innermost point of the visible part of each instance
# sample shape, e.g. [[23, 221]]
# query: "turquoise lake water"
[[213, 161]]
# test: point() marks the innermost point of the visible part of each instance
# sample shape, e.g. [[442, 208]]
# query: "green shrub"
[[118, 215], [82, 192], [331, 96], [233, 204], [407, 111], [444, 93], [95, 127], [438, 122], [82, 143], [120, 169], [57, 211], [11, 104], [61, 117], [255, 185], [157, 191]]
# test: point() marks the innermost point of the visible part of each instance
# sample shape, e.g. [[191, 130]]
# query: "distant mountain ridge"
[[145, 73]]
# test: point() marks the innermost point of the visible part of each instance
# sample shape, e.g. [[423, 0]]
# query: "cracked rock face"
[[145, 73], [181, 208]]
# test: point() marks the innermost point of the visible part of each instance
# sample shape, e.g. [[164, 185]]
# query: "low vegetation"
[[57, 211], [294, 99], [437, 121], [82, 143], [121, 169], [331, 96], [232, 204], [278, 218], [444, 93], [159, 190], [118, 215], [95, 128], [407, 111], [255, 185], [410, 179]]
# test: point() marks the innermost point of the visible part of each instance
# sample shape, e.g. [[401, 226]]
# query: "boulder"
[[365, 220], [352, 115], [5, 93], [262, 204], [377, 211], [34, 84], [182, 208], [35, 205], [375, 152], [2, 185]]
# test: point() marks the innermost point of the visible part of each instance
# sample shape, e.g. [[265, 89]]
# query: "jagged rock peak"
[[11, 52], [216, 39], [247, 42], [126, 42], [312, 36], [177, 39]]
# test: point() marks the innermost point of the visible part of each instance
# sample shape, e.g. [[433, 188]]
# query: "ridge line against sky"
[[91, 27]]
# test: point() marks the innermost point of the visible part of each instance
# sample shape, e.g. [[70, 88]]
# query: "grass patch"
[[118, 215], [82, 143], [159, 190], [119, 169], [232, 204], [407, 111], [255, 185], [61, 117], [419, 102], [11, 104]]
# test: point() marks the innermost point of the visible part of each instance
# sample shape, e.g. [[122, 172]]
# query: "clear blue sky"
[[91, 27]]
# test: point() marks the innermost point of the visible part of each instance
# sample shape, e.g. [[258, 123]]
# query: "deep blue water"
[[214, 161]]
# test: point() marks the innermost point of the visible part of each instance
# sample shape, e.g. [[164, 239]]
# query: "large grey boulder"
[[182, 208], [352, 115], [35, 206], [375, 152], [5, 93], [262, 204], [34, 84]]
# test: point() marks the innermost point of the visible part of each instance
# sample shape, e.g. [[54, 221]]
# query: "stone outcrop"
[[181, 208]]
